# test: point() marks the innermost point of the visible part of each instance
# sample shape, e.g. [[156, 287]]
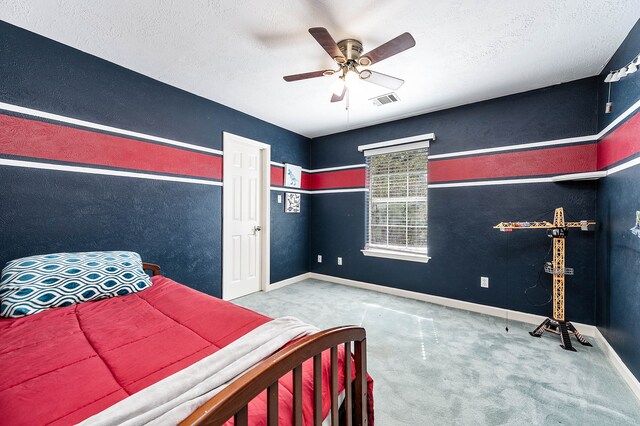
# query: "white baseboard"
[[587, 330], [619, 365], [288, 281]]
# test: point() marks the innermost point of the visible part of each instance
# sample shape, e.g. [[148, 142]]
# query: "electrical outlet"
[[319, 258], [279, 199], [484, 282], [340, 261]]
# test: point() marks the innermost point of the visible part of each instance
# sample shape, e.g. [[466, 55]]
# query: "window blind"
[[396, 217]]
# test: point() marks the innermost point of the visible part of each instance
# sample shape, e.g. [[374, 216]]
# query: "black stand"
[[563, 328]]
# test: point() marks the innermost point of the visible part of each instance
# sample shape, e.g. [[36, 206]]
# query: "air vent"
[[389, 98]]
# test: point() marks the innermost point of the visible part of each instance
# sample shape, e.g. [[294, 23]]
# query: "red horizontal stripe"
[[36, 139], [550, 161], [352, 178], [277, 176], [623, 142], [304, 180]]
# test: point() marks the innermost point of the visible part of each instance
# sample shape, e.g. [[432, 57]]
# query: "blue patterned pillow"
[[34, 284]]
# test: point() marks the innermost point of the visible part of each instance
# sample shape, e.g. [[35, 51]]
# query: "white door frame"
[[265, 214]]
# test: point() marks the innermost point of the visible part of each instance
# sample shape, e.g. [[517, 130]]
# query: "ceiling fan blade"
[[392, 47], [304, 76], [327, 42], [338, 98], [380, 79]]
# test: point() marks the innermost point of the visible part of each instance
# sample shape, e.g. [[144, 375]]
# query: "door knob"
[[256, 229]]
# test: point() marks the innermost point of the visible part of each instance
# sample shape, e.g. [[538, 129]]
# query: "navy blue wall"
[[289, 238], [618, 289], [555, 112], [462, 242], [169, 223], [174, 224]]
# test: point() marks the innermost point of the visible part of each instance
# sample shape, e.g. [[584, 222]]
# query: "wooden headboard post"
[[155, 269]]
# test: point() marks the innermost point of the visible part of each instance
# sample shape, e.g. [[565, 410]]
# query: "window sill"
[[388, 254]]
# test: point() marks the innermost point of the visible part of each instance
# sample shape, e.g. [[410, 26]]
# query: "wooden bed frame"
[[234, 399]]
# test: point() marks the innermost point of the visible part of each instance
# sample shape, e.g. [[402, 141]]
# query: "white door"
[[243, 191]]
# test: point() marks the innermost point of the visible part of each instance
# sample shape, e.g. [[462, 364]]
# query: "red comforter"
[[63, 365]]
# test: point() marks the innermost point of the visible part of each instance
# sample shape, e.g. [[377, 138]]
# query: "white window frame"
[[397, 145]]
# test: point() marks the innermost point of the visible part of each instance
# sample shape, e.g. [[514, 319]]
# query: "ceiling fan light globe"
[[340, 59], [364, 74], [622, 72], [632, 68], [615, 77], [364, 61], [608, 78], [327, 73], [338, 87]]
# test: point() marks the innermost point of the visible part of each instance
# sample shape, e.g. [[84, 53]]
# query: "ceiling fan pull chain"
[[347, 107]]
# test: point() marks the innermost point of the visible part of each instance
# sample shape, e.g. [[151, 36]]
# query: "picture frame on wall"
[[292, 176], [292, 202], [636, 229]]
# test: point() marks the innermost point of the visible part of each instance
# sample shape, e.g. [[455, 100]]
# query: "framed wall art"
[[292, 202], [636, 229], [292, 176]]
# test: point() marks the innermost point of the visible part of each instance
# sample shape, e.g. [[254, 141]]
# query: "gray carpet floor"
[[434, 365]]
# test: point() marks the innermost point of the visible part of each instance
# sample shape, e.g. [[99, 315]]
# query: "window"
[[396, 216]]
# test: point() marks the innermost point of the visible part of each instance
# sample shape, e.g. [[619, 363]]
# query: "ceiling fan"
[[348, 56]]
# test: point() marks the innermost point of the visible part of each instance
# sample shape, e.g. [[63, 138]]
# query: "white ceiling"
[[236, 51]]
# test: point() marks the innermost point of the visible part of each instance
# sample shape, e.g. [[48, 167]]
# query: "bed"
[[71, 364]]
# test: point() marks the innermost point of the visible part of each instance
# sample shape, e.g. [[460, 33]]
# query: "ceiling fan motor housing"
[[348, 56], [350, 48]]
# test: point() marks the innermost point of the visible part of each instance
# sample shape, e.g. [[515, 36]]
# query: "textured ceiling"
[[236, 51]]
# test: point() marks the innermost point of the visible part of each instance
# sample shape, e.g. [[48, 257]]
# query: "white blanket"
[[172, 399]]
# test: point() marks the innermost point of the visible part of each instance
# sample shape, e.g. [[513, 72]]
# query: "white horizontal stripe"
[[337, 191], [95, 171], [517, 147], [88, 124], [490, 182], [326, 169], [285, 189], [330, 169], [580, 176], [623, 166], [275, 163], [417, 138], [317, 191], [91, 170], [551, 179]]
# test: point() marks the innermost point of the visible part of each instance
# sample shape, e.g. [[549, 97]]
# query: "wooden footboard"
[[233, 401]]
